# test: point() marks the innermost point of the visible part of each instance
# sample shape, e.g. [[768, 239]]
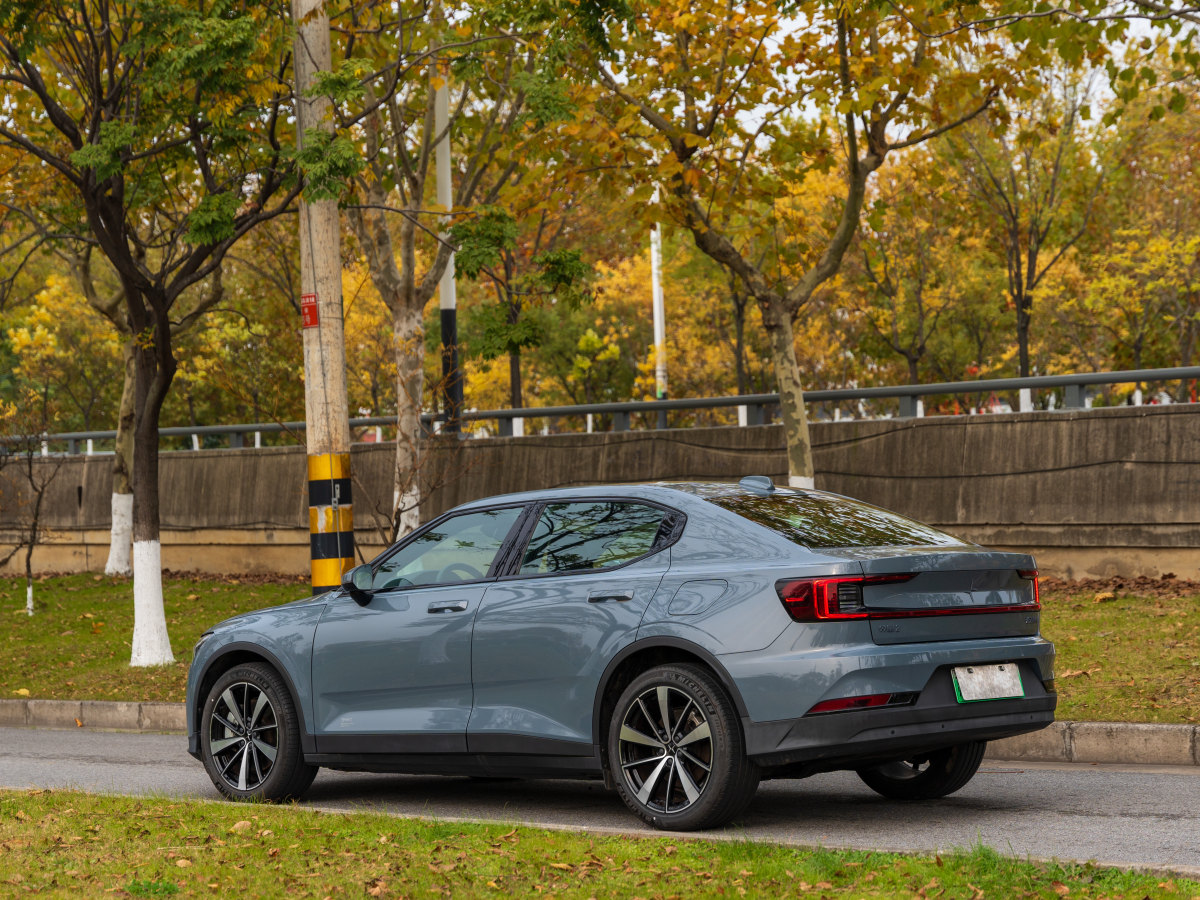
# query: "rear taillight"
[[841, 597], [1032, 575], [823, 599]]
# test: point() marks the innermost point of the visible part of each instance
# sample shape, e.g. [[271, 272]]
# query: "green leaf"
[[212, 220], [105, 154], [482, 240], [327, 162], [343, 84]]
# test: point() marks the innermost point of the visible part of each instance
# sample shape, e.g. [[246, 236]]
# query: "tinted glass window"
[[573, 536], [460, 549], [827, 521]]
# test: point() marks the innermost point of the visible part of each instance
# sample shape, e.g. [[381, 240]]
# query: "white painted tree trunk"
[[29, 598], [151, 646], [799, 481], [121, 535]]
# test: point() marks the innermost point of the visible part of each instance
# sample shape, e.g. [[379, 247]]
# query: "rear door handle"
[[447, 606], [605, 596]]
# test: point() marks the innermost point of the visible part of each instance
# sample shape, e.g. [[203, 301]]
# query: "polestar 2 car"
[[680, 641]]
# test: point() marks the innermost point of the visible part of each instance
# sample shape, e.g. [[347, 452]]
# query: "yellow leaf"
[[22, 692], [183, 863]]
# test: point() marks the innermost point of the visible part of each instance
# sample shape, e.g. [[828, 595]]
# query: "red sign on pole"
[[308, 311]]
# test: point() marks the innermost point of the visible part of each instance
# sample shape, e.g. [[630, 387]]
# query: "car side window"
[[461, 548], [571, 537]]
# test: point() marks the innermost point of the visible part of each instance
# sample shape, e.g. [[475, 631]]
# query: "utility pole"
[[447, 289], [660, 325], [330, 513]]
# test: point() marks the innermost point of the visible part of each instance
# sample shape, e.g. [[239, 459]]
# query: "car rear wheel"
[[926, 777], [250, 736], [675, 750]]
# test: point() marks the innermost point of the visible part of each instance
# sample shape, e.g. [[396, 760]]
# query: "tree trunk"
[[155, 370], [409, 348], [739, 341], [914, 376], [791, 396], [1024, 314], [122, 469], [514, 380]]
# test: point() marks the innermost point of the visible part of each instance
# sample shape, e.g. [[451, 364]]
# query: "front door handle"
[[446, 606], [605, 596]]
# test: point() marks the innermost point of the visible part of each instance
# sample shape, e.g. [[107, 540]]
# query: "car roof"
[[671, 493]]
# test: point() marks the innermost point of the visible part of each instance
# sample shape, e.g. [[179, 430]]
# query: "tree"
[[25, 475], [1030, 168], [393, 63], [164, 121], [716, 101]]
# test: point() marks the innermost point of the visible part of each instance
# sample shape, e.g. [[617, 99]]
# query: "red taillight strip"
[[816, 599], [951, 611]]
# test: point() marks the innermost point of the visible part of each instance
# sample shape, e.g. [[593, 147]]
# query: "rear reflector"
[[867, 701], [841, 597]]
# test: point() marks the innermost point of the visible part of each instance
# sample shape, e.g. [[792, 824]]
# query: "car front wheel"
[[675, 750], [928, 776], [250, 736]]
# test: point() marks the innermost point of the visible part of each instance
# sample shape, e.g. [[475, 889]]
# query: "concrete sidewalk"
[[1080, 742]]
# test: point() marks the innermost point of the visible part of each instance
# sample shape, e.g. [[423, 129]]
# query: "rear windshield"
[[827, 521]]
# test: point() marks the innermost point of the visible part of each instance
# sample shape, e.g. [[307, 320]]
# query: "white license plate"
[[996, 682]]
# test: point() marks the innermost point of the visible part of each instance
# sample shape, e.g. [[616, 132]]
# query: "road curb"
[[102, 715], [1078, 742]]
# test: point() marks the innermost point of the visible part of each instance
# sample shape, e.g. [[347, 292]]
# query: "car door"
[[394, 675], [545, 632]]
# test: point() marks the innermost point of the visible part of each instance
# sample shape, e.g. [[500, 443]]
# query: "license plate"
[[996, 682]]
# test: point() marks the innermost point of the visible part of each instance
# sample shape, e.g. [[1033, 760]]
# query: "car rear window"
[[829, 521]]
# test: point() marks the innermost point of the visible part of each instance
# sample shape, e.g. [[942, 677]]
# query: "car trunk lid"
[[945, 595]]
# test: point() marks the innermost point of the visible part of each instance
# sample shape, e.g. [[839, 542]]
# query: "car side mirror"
[[358, 583]]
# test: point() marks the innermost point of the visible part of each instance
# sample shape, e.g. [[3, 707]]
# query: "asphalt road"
[[1138, 816]]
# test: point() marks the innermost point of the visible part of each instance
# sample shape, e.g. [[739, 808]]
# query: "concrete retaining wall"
[[1100, 492]]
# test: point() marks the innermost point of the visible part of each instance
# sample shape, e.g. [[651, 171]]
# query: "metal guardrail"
[[756, 405]]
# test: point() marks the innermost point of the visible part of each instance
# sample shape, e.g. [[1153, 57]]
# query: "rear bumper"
[[850, 739]]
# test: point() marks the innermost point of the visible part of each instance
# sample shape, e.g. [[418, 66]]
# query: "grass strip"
[[1121, 658], [76, 645], [67, 844]]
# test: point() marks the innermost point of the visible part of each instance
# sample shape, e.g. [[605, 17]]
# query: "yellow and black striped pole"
[[326, 413], [330, 519]]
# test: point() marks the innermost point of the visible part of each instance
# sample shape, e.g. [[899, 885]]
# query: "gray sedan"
[[681, 641]]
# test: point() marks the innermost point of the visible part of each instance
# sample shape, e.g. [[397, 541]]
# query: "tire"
[[926, 777], [242, 767], [662, 776]]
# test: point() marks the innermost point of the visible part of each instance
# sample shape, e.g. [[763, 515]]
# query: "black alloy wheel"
[[250, 736], [675, 750]]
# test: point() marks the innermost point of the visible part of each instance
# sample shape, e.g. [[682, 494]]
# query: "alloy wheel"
[[243, 736], [666, 749]]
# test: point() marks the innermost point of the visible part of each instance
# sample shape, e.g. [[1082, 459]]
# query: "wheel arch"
[[641, 656], [235, 654]]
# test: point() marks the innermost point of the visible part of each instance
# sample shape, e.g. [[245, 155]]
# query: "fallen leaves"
[[1075, 673]]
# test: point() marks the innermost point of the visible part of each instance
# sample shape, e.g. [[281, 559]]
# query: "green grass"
[[76, 645], [71, 844], [1123, 658]]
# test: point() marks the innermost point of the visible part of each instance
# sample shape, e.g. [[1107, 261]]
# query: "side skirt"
[[487, 764]]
